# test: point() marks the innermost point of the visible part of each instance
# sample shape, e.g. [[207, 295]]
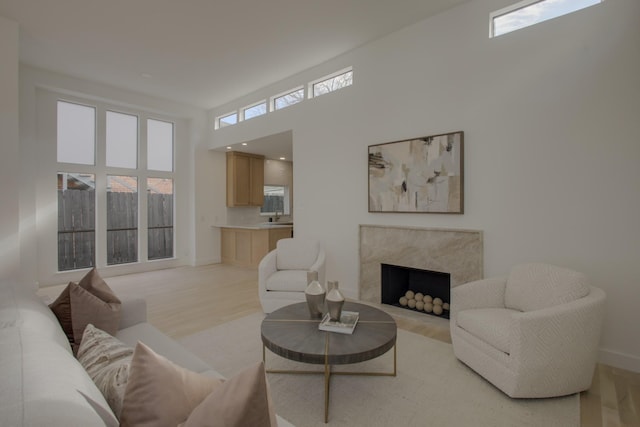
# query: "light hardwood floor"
[[185, 300]]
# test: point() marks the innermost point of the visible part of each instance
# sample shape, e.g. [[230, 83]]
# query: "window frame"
[[118, 111], [218, 120], [173, 144], [307, 93], [311, 84], [101, 172], [286, 200], [85, 104], [519, 6], [272, 100], [243, 115], [117, 231]]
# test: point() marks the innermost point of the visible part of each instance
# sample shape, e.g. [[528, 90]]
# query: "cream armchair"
[[532, 334], [282, 273]]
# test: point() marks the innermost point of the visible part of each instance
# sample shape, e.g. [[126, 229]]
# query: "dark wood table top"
[[291, 333]]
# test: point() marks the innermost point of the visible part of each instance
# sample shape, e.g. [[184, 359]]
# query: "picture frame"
[[419, 175]]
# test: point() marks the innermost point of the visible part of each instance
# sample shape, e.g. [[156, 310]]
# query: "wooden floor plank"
[[608, 398], [590, 406]]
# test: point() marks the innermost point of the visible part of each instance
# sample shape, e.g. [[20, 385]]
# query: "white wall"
[[38, 206], [550, 115], [210, 191], [9, 141]]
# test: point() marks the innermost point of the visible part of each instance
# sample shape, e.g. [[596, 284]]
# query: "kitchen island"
[[246, 245]]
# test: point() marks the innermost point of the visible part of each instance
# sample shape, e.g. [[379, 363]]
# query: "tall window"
[[122, 140], [101, 192], [160, 217], [159, 145], [122, 219], [76, 133], [76, 221]]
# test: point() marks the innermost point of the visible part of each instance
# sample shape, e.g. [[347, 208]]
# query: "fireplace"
[[416, 289], [457, 252]]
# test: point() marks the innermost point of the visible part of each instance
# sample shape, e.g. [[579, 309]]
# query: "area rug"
[[432, 388]]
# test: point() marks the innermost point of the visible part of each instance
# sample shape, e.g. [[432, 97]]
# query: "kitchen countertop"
[[260, 226]]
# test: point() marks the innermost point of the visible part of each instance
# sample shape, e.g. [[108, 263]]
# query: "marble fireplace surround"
[[454, 251]]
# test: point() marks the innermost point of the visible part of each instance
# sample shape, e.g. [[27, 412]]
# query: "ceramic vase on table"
[[315, 295], [335, 301]]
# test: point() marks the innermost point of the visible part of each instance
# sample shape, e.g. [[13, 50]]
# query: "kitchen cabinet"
[[246, 246], [276, 234], [245, 179]]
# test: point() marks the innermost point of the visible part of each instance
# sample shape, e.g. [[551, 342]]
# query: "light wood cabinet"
[[276, 234], [246, 247], [245, 179]]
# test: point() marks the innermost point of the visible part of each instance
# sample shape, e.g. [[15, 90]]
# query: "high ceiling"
[[202, 53]]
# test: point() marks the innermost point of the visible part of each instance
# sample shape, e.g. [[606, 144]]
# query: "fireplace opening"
[[418, 290]]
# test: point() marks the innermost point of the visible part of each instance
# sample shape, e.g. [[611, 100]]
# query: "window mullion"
[[143, 241], [101, 188]]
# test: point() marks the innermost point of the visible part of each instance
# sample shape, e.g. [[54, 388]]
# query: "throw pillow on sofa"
[[107, 361], [160, 393], [87, 308], [95, 285], [244, 400]]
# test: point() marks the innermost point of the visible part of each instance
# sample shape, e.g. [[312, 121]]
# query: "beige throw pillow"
[[160, 393], [107, 360], [97, 286], [244, 400], [88, 308]]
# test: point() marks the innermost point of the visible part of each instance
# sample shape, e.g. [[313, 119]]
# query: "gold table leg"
[[327, 375], [327, 380]]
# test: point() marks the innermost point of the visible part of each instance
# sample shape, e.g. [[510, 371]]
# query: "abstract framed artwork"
[[418, 175]]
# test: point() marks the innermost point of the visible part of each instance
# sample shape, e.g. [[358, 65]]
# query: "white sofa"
[[282, 273], [532, 334], [42, 383]]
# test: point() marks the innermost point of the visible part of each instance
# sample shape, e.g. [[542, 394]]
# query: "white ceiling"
[[202, 53], [278, 146]]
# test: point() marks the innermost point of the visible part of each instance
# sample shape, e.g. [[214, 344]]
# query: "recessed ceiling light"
[[282, 158], [228, 148], [244, 143]]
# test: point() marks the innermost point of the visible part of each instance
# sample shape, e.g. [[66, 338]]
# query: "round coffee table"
[[291, 333]]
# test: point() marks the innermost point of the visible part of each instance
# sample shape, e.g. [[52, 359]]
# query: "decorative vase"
[[335, 301], [315, 295]]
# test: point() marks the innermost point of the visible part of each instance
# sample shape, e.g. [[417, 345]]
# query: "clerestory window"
[[530, 12]]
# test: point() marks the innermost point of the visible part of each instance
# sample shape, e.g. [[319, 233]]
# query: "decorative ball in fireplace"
[[426, 303]]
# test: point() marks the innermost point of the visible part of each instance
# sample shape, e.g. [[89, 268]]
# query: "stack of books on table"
[[346, 324]]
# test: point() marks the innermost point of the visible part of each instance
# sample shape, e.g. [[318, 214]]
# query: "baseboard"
[[206, 261], [619, 360]]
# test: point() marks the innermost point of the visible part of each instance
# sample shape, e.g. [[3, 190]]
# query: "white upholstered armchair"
[[532, 334], [282, 273]]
